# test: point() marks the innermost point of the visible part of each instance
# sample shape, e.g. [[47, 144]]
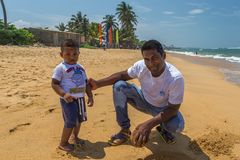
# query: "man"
[[161, 94]]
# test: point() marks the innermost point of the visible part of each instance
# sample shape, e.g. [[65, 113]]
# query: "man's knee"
[[119, 84], [176, 124]]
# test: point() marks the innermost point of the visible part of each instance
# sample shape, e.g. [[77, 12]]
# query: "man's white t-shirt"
[[159, 91], [72, 78]]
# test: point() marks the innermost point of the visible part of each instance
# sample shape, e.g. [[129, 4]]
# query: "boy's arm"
[[56, 87], [90, 95]]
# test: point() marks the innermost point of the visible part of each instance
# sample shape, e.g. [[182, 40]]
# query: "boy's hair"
[[153, 44], [69, 43]]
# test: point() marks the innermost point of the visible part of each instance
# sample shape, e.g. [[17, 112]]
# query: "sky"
[[182, 23]]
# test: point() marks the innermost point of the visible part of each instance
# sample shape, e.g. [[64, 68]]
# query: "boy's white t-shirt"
[[159, 91], [72, 78]]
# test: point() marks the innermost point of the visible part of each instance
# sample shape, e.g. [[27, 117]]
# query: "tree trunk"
[[4, 14]]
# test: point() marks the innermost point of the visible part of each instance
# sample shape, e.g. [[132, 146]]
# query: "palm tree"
[[4, 14], [85, 25], [128, 20], [76, 22], [93, 33], [109, 20], [70, 26], [61, 27], [126, 15]]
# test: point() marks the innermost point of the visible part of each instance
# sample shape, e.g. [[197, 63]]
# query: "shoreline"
[[230, 70]]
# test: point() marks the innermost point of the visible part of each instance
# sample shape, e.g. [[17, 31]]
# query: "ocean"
[[229, 56]]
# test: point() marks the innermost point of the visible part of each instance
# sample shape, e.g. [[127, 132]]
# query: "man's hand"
[[140, 135], [93, 83], [68, 98], [90, 101]]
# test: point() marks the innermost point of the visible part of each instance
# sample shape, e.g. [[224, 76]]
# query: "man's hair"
[[69, 43], [153, 44]]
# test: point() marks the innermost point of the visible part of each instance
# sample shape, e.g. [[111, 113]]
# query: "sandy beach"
[[31, 120]]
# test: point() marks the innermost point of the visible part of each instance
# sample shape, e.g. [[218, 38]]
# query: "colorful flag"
[[100, 33], [107, 40], [117, 40], [110, 35]]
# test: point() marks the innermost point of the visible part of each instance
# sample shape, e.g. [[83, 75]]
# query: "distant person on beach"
[[69, 81], [196, 53], [104, 45], [160, 95]]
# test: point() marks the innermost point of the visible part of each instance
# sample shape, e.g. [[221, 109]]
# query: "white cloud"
[[168, 12], [52, 18], [24, 24], [141, 8], [184, 18], [196, 11]]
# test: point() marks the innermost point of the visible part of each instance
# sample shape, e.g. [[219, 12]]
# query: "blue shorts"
[[73, 112]]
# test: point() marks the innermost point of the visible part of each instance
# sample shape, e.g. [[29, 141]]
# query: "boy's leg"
[[75, 138], [76, 131], [69, 111], [81, 117], [64, 145]]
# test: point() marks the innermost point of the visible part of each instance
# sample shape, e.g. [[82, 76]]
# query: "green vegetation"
[[12, 35]]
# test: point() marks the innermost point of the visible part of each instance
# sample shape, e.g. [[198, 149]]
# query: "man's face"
[[154, 61], [70, 55]]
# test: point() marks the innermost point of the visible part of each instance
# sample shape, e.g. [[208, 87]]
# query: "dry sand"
[[31, 121]]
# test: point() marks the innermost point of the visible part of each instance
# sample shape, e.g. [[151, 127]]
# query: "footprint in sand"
[[97, 94], [51, 110], [18, 126], [215, 142]]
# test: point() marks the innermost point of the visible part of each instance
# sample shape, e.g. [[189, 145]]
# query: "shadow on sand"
[[90, 150], [183, 149]]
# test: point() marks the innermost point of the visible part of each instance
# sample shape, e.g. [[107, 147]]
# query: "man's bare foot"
[[67, 148]]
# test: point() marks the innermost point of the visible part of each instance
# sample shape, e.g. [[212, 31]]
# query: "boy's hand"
[[90, 101], [93, 83], [68, 98]]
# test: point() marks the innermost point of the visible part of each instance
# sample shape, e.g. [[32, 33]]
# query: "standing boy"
[[69, 81]]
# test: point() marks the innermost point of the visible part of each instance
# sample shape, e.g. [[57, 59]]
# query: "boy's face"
[[70, 55]]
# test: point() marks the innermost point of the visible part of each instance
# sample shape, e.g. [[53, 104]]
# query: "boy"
[[69, 81]]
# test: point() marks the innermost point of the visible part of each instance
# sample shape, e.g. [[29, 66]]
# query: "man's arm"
[[89, 91], [123, 75], [90, 95], [164, 116]]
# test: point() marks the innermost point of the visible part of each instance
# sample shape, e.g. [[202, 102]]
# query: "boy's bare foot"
[[78, 141], [67, 148]]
